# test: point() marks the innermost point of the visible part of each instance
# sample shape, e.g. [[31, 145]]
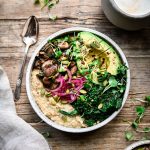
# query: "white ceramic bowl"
[[137, 144], [28, 83]]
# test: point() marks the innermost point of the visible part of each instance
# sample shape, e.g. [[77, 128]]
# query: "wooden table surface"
[[85, 13]]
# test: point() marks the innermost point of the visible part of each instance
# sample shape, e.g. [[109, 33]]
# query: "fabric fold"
[[15, 133]]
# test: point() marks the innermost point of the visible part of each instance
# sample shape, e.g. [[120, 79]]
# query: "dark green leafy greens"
[[110, 100]]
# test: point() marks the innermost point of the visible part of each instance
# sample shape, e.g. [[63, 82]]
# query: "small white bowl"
[[137, 144], [28, 83]]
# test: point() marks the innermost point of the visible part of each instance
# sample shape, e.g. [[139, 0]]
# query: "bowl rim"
[[137, 144], [36, 107]]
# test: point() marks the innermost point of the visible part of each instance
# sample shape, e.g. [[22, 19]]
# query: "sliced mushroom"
[[63, 45], [37, 64], [43, 55], [74, 70], [47, 64], [53, 86], [50, 71], [49, 51], [46, 81]]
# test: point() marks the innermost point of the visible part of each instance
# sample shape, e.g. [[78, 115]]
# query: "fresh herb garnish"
[[49, 4], [112, 83], [129, 136], [58, 53], [52, 17], [72, 113], [47, 134], [135, 125]]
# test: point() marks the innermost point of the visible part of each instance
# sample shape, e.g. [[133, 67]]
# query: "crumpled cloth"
[[15, 133]]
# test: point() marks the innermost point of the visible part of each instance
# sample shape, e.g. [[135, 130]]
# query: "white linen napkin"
[[15, 133]]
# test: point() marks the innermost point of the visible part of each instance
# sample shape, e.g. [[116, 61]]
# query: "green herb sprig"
[[140, 111], [49, 4]]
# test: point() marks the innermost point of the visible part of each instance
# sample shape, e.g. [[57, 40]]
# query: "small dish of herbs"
[[84, 77]]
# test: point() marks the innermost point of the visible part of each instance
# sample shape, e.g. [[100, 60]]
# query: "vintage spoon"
[[29, 37]]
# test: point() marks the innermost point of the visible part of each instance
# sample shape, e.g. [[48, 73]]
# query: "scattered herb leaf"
[[140, 110], [129, 136], [72, 113], [146, 129], [46, 134]]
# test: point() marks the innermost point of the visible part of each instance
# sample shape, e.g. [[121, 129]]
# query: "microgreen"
[[134, 124], [46, 134], [146, 129], [129, 136], [112, 83], [58, 53], [49, 4], [122, 69], [90, 122], [52, 17], [147, 99], [140, 110]]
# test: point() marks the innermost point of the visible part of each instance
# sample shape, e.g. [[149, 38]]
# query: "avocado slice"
[[107, 55]]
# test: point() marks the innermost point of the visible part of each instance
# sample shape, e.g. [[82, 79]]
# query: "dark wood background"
[[85, 13]]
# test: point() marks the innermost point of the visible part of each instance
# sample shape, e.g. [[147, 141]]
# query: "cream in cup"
[[128, 14]]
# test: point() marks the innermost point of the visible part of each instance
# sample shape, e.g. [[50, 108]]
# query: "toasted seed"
[[83, 91], [64, 118], [100, 106], [42, 91], [52, 101], [66, 77], [67, 91], [64, 102], [66, 62], [74, 77], [63, 58], [56, 98], [105, 82]]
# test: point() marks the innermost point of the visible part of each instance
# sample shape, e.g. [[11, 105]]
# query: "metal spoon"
[[29, 37]]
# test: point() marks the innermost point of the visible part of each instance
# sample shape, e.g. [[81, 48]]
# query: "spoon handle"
[[20, 76]]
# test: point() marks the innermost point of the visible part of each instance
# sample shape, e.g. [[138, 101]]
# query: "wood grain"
[[83, 13]]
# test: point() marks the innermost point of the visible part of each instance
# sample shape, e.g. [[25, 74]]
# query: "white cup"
[[127, 14]]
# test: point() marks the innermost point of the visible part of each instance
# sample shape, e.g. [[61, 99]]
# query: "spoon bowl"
[[29, 36]]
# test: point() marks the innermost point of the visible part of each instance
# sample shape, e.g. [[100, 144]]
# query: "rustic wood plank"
[[23, 9], [110, 137]]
